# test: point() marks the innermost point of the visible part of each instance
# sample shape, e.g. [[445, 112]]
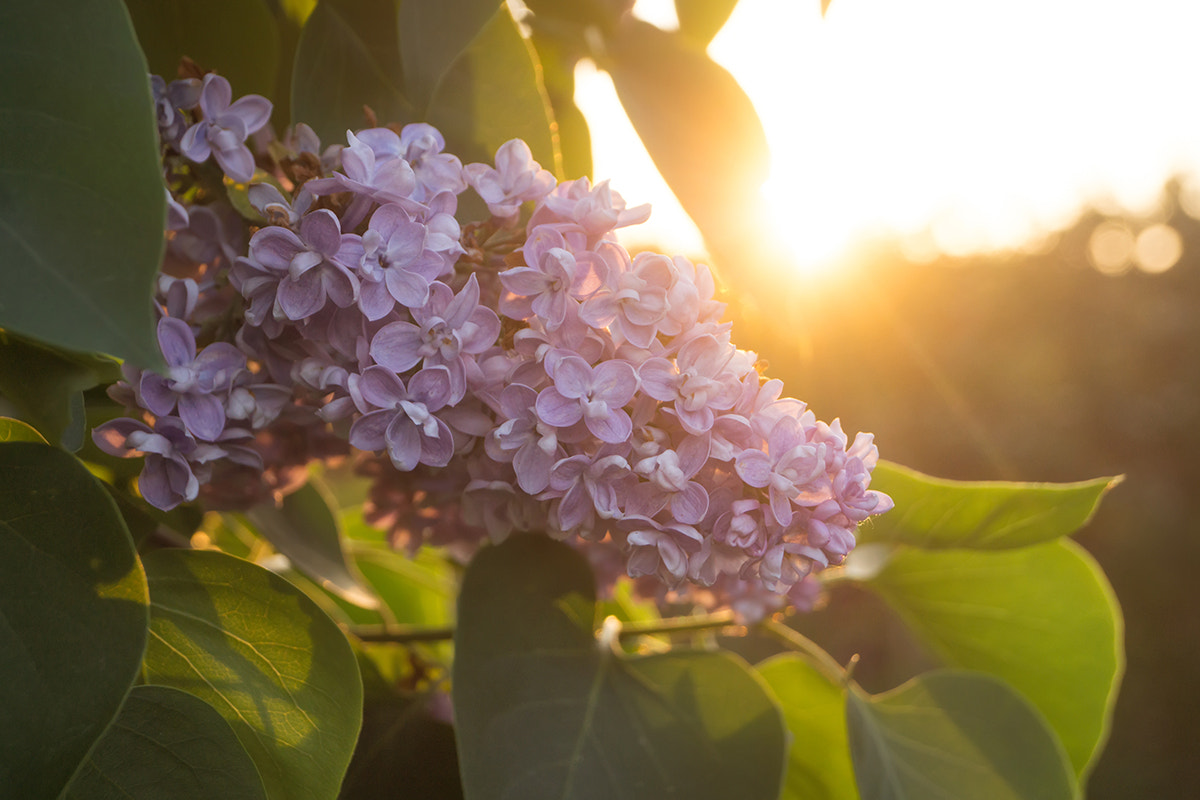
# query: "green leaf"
[[543, 710], [417, 591], [73, 613], [694, 119], [433, 35], [45, 386], [82, 203], [937, 513], [265, 657], [558, 75], [492, 93], [1043, 618], [13, 430], [348, 57], [167, 745], [955, 735], [701, 20], [304, 528], [814, 708], [237, 38]]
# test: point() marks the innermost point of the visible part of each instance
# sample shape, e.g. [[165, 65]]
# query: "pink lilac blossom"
[[518, 373]]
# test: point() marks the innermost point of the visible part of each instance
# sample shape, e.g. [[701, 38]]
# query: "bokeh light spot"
[[1158, 248], [1111, 248]]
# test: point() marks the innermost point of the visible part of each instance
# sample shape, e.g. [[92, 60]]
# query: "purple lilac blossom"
[[223, 131]]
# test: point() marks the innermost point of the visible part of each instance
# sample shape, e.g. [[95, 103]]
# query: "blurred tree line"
[[1023, 366]]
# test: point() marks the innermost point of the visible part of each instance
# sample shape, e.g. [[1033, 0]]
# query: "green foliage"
[[74, 611], [954, 734], [45, 386], [13, 430], [82, 203], [167, 745], [236, 38], [303, 528], [814, 708], [265, 657], [937, 513], [701, 20], [479, 84], [544, 710], [1042, 618]]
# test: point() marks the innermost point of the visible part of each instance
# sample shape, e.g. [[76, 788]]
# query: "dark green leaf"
[[815, 711], [433, 36], [492, 93], [348, 57], [265, 657], [1043, 618], [13, 430], [543, 710], [237, 38], [82, 203], [73, 612], [167, 745], [701, 20], [304, 528], [694, 119], [46, 385], [936, 513], [956, 735]]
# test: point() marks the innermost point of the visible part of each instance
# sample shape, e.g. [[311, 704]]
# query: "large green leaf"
[[82, 203], [814, 708], [958, 735], [935, 513], [558, 62], [433, 35], [695, 121], [167, 745], [277, 669], [73, 613], [543, 710], [304, 528], [492, 93], [237, 38], [416, 591], [1043, 618], [348, 57], [45, 386]]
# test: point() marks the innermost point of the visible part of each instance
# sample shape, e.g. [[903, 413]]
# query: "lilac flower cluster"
[[522, 372]]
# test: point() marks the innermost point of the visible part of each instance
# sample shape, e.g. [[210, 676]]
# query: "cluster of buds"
[[516, 373]]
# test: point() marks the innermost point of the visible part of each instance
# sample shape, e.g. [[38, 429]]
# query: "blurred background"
[[985, 250]]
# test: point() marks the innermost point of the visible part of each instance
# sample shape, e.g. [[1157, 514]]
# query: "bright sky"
[[983, 121]]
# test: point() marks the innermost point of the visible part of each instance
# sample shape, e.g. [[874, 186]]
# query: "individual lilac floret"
[[170, 100], [374, 170], [516, 178], [223, 131], [167, 477], [404, 424], [436, 172], [595, 395], [192, 381]]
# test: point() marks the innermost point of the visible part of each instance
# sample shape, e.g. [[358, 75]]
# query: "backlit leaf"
[[73, 612], [257, 650], [934, 512], [13, 430], [1043, 618], [167, 745], [956, 735], [433, 35]]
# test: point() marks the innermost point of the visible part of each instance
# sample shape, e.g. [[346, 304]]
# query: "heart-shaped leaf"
[[73, 613], [545, 711], [167, 745], [1043, 618], [82, 202], [937, 513], [955, 734], [263, 655], [814, 708]]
